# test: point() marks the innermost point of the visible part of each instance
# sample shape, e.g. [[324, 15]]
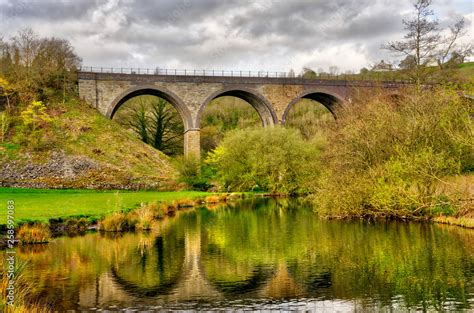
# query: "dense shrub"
[[387, 156], [115, 222], [34, 127], [144, 216], [194, 174], [4, 125], [141, 218], [271, 159]]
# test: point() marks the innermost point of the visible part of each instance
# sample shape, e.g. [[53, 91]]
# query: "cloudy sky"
[[225, 34]]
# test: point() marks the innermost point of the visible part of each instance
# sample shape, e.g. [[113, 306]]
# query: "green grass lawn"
[[41, 205], [466, 65]]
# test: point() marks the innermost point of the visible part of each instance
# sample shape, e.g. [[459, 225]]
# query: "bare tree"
[[38, 67], [57, 62], [450, 47], [333, 70], [291, 73], [463, 52], [57, 54], [3, 48], [423, 42], [25, 45]]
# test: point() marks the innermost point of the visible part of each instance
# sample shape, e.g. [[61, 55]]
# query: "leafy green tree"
[[166, 127], [193, 173], [35, 115], [35, 125], [309, 73], [363, 71], [268, 159], [139, 122], [6, 91], [155, 122]]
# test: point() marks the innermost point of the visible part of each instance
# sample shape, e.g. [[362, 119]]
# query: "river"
[[259, 254]]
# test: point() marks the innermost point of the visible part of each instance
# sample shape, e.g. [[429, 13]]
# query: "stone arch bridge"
[[271, 94]]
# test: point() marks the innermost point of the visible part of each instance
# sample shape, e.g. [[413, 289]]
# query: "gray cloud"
[[178, 12], [48, 9], [243, 34]]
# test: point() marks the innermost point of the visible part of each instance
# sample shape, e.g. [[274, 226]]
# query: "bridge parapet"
[[145, 75]]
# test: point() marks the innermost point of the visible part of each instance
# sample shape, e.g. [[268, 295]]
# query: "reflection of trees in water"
[[152, 271], [33, 249], [267, 248], [246, 243], [249, 283], [338, 259]]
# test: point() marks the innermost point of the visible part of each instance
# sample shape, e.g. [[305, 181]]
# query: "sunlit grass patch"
[[145, 215], [212, 199], [458, 221], [115, 222], [36, 233], [41, 205]]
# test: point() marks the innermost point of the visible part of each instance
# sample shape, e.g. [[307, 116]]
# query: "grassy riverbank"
[[42, 204]]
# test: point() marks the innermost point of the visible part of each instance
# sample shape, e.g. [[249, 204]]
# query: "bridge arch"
[[151, 90], [257, 101], [328, 99]]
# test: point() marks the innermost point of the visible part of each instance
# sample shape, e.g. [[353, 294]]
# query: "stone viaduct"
[[272, 97]]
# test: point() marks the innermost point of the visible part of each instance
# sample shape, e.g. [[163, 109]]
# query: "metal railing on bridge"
[[183, 72], [382, 76]]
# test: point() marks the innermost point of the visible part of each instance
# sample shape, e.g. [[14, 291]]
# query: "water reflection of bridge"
[[193, 283]]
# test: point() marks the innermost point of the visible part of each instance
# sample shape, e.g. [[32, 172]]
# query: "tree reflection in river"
[[257, 253]]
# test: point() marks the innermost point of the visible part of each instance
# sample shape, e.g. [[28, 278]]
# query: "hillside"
[[461, 74], [82, 149]]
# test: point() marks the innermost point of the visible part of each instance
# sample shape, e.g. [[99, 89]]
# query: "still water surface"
[[263, 255]]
